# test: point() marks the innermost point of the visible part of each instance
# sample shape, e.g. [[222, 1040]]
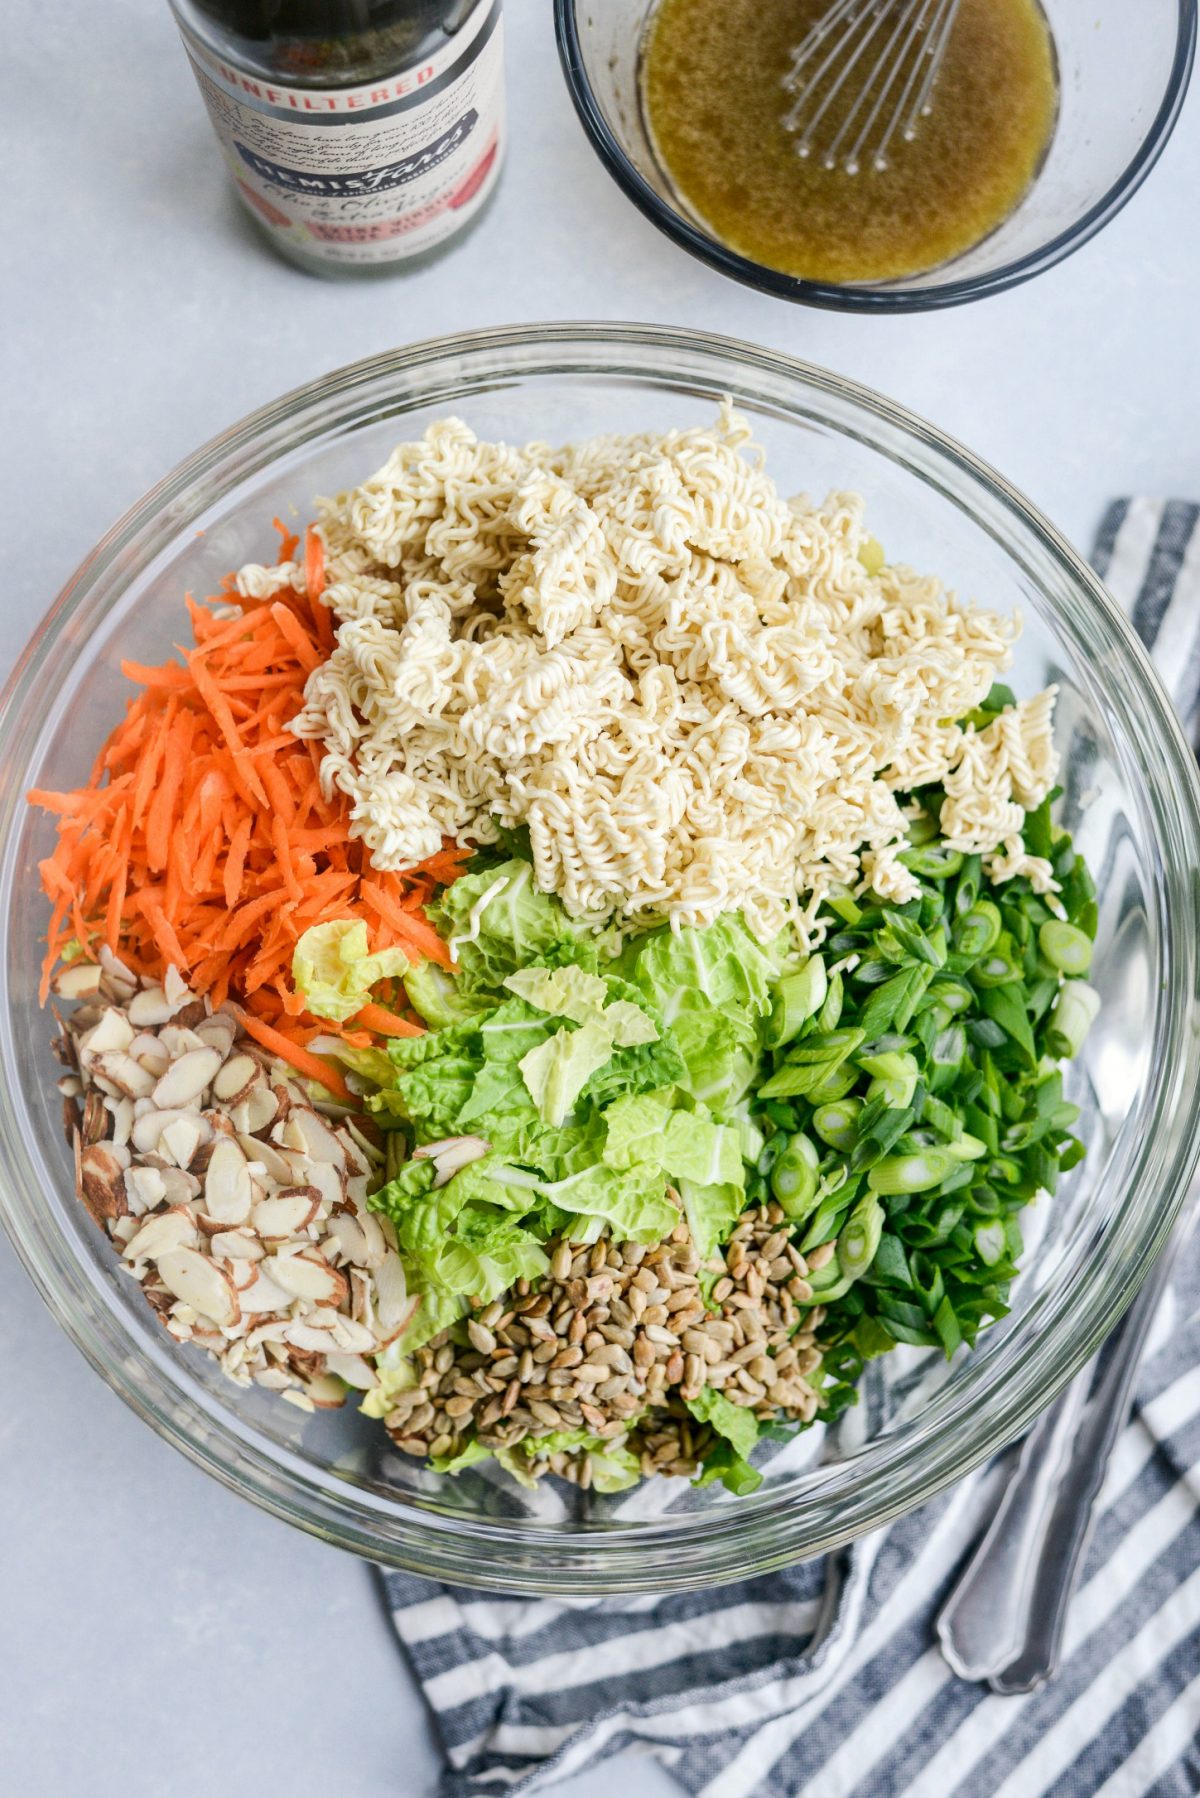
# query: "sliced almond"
[[95, 1118], [180, 1139], [150, 1124], [101, 1180], [150, 1053], [218, 1032], [268, 1334], [326, 1392], [286, 1214], [243, 1273], [233, 1082], [391, 1291], [313, 1136], [346, 1235], [300, 1334], [150, 1007], [275, 1379], [353, 1338], [374, 1238], [200, 1283], [185, 1079], [256, 1111], [173, 1229], [144, 1188], [406, 1316], [328, 1182], [354, 1370], [175, 986], [126, 1074], [308, 1276], [79, 981], [236, 1245], [180, 1186], [263, 1294], [227, 1191], [122, 1121], [112, 1033], [267, 1158]]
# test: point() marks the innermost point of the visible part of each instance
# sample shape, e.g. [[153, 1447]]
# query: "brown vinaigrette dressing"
[[711, 74]]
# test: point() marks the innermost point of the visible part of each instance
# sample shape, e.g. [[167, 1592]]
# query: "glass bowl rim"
[[683, 1551], [877, 298]]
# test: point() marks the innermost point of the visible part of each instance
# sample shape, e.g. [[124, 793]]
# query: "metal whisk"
[[890, 51]]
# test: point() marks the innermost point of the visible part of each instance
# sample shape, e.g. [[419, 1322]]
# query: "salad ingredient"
[[593, 1109], [237, 1207], [609, 1354], [204, 840], [944, 1026], [334, 969], [696, 696]]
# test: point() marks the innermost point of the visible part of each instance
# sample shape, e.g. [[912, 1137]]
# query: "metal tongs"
[[1003, 1621]]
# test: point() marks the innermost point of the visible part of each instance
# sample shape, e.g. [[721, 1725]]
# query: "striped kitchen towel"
[[825, 1679]]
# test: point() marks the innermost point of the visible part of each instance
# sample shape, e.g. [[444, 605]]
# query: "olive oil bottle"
[[362, 136]]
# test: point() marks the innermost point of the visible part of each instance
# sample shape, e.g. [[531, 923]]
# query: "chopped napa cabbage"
[[557, 1071], [332, 965]]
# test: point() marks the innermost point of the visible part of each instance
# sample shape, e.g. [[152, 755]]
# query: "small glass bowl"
[[1123, 73], [1132, 798]]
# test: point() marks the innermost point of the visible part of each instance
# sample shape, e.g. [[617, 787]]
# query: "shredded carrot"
[[376, 1017], [297, 1056], [288, 540], [314, 565], [204, 839]]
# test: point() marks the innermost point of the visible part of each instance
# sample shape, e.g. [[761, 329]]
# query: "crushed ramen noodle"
[[698, 696]]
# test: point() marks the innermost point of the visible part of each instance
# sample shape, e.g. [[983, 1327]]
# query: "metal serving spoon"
[[1003, 1621]]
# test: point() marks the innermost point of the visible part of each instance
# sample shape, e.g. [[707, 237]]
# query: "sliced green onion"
[[948, 1055], [936, 862], [895, 1078], [1064, 947], [830, 1012], [990, 1243], [798, 997], [999, 967], [978, 930], [1068, 1024], [953, 995], [845, 905], [911, 1173], [831, 1083], [967, 1148], [794, 1175], [829, 1282], [966, 890], [833, 1046], [942, 1118], [922, 829], [837, 1123], [859, 1240]]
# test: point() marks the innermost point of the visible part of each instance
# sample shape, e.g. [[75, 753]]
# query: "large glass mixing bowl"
[[1131, 797]]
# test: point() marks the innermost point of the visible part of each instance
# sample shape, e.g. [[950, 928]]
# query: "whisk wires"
[[880, 58]]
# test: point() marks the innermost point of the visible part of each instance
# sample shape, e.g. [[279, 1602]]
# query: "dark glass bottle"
[[363, 136]]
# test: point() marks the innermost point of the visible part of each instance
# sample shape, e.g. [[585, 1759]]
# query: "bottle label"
[[372, 174]]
